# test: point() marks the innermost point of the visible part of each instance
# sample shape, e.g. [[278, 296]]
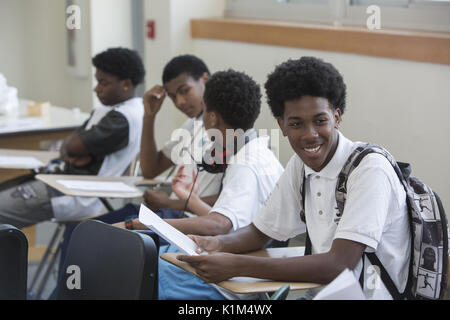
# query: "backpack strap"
[[303, 210], [390, 285], [353, 161]]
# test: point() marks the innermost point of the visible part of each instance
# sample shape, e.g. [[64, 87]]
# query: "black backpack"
[[427, 276]]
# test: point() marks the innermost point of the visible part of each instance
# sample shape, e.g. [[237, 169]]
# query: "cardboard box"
[[38, 109]]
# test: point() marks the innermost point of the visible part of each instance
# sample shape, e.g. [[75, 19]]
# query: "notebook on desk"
[[17, 162], [92, 186]]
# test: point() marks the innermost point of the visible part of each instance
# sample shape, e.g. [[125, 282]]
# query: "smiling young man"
[[307, 97]]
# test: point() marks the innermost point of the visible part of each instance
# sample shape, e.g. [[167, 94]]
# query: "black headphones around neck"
[[214, 167]]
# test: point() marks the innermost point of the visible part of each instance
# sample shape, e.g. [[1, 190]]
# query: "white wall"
[[35, 62], [110, 27], [110, 24], [34, 48], [11, 35], [172, 38]]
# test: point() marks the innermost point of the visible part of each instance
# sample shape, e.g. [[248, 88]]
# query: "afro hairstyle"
[[235, 96], [307, 76], [193, 66], [122, 63]]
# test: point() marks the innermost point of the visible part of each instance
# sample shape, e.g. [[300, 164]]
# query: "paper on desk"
[[102, 186], [247, 279], [344, 287], [20, 124], [166, 231], [20, 162]]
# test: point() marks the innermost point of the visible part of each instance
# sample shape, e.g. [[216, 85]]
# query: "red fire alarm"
[[151, 29]]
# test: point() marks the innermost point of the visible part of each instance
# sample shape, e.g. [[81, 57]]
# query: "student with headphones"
[[232, 105]]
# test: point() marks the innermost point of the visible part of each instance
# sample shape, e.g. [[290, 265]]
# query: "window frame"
[[419, 15]]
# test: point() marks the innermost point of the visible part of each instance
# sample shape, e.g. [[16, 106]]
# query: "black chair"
[[13, 263], [106, 262]]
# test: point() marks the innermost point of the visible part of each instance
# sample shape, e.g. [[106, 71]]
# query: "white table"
[[42, 156], [23, 132]]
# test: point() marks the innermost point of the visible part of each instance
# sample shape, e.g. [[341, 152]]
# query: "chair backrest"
[[106, 262], [134, 167], [13, 263]]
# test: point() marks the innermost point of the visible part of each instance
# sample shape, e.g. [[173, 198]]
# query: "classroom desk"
[[252, 285], [9, 171], [51, 180], [23, 132], [42, 156]]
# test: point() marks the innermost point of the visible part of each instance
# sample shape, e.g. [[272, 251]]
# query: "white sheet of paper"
[[247, 279], [344, 287], [20, 162], [102, 186], [166, 231]]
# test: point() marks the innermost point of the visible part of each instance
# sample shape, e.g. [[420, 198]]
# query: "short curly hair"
[[122, 63], [235, 96], [187, 63], [311, 76]]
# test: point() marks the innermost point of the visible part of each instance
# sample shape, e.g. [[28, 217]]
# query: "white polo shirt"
[[375, 213], [250, 177]]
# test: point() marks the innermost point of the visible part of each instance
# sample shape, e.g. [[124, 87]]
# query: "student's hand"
[[153, 100], [182, 186], [215, 267], [208, 244], [156, 199]]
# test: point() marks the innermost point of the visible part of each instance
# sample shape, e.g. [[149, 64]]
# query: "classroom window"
[[427, 15]]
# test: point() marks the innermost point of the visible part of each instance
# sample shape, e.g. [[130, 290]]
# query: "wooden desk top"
[[252, 285]]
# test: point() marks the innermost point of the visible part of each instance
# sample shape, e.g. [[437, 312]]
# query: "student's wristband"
[[129, 224]]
